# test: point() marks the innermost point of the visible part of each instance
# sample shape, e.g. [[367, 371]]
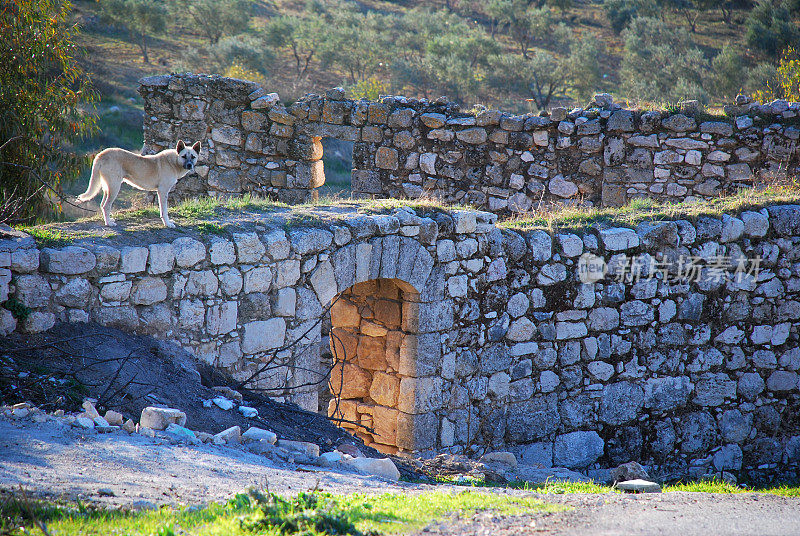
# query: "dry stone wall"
[[602, 155], [456, 334]]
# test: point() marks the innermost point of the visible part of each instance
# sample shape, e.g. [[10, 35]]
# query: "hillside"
[[454, 48]]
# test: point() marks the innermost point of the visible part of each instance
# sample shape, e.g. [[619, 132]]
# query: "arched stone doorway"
[[373, 340]]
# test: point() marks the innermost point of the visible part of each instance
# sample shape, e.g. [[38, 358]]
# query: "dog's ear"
[[181, 146], [196, 147]]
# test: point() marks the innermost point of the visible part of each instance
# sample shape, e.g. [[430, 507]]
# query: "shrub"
[[660, 64], [770, 27], [621, 12], [43, 93]]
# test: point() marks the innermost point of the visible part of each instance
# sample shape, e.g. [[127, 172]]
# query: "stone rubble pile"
[[168, 424]]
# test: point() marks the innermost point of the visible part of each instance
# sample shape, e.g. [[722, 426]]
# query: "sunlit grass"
[[570, 217], [257, 513]]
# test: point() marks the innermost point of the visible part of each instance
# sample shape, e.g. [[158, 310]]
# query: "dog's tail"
[[95, 185]]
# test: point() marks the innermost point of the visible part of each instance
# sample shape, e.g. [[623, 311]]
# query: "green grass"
[[45, 237], [268, 514], [565, 217], [718, 486]]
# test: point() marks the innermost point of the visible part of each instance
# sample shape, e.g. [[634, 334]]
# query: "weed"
[[45, 237], [210, 228], [18, 309]]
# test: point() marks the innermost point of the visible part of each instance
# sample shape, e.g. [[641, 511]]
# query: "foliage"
[[770, 27], [545, 75], [140, 17], [660, 64], [437, 52], [301, 35], [216, 18], [789, 75], [370, 88], [781, 82], [761, 80], [242, 53], [621, 12], [355, 42], [43, 93], [727, 68], [690, 10], [17, 309]]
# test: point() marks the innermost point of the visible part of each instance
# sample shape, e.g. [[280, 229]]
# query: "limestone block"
[[288, 273], [258, 279], [350, 381], [263, 335], [159, 418], [75, 293], [306, 241], [133, 259], [249, 248], [38, 321], [619, 238], [577, 449], [71, 260], [221, 319], [384, 389], [323, 280], [386, 158], [202, 283], [221, 251], [161, 258], [148, 291], [188, 251], [32, 290], [230, 281]]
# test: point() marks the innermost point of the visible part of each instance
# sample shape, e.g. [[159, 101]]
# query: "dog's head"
[[188, 155]]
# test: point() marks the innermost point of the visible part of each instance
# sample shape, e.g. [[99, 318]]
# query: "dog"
[[152, 173]]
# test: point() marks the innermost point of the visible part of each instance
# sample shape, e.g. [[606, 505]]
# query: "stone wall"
[[681, 356], [602, 155]]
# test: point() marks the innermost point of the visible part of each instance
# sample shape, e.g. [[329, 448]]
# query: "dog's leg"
[[162, 205], [108, 199]]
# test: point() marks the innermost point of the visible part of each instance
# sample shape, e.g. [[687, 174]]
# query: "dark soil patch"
[[125, 372]]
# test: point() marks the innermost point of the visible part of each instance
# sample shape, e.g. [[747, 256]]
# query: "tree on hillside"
[[43, 91], [301, 35], [544, 76], [727, 68], [217, 18], [530, 25], [620, 12], [245, 51], [690, 10], [660, 64], [142, 18], [500, 13], [439, 52], [770, 27], [356, 43]]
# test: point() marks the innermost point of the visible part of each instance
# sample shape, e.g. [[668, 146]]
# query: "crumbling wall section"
[[603, 155]]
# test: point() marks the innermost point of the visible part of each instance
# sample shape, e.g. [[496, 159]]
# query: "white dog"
[[153, 173]]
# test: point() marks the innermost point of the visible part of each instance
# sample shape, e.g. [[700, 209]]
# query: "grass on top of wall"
[[561, 217]]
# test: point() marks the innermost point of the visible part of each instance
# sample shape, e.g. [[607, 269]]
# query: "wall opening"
[[373, 342], [337, 159]]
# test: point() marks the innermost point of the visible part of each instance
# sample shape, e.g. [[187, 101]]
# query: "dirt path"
[[665, 514], [53, 460], [57, 460]]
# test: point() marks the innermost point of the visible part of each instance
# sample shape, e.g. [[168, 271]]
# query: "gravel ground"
[[52, 460]]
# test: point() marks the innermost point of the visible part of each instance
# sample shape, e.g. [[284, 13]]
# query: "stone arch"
[[373, 342], [382, 358]]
